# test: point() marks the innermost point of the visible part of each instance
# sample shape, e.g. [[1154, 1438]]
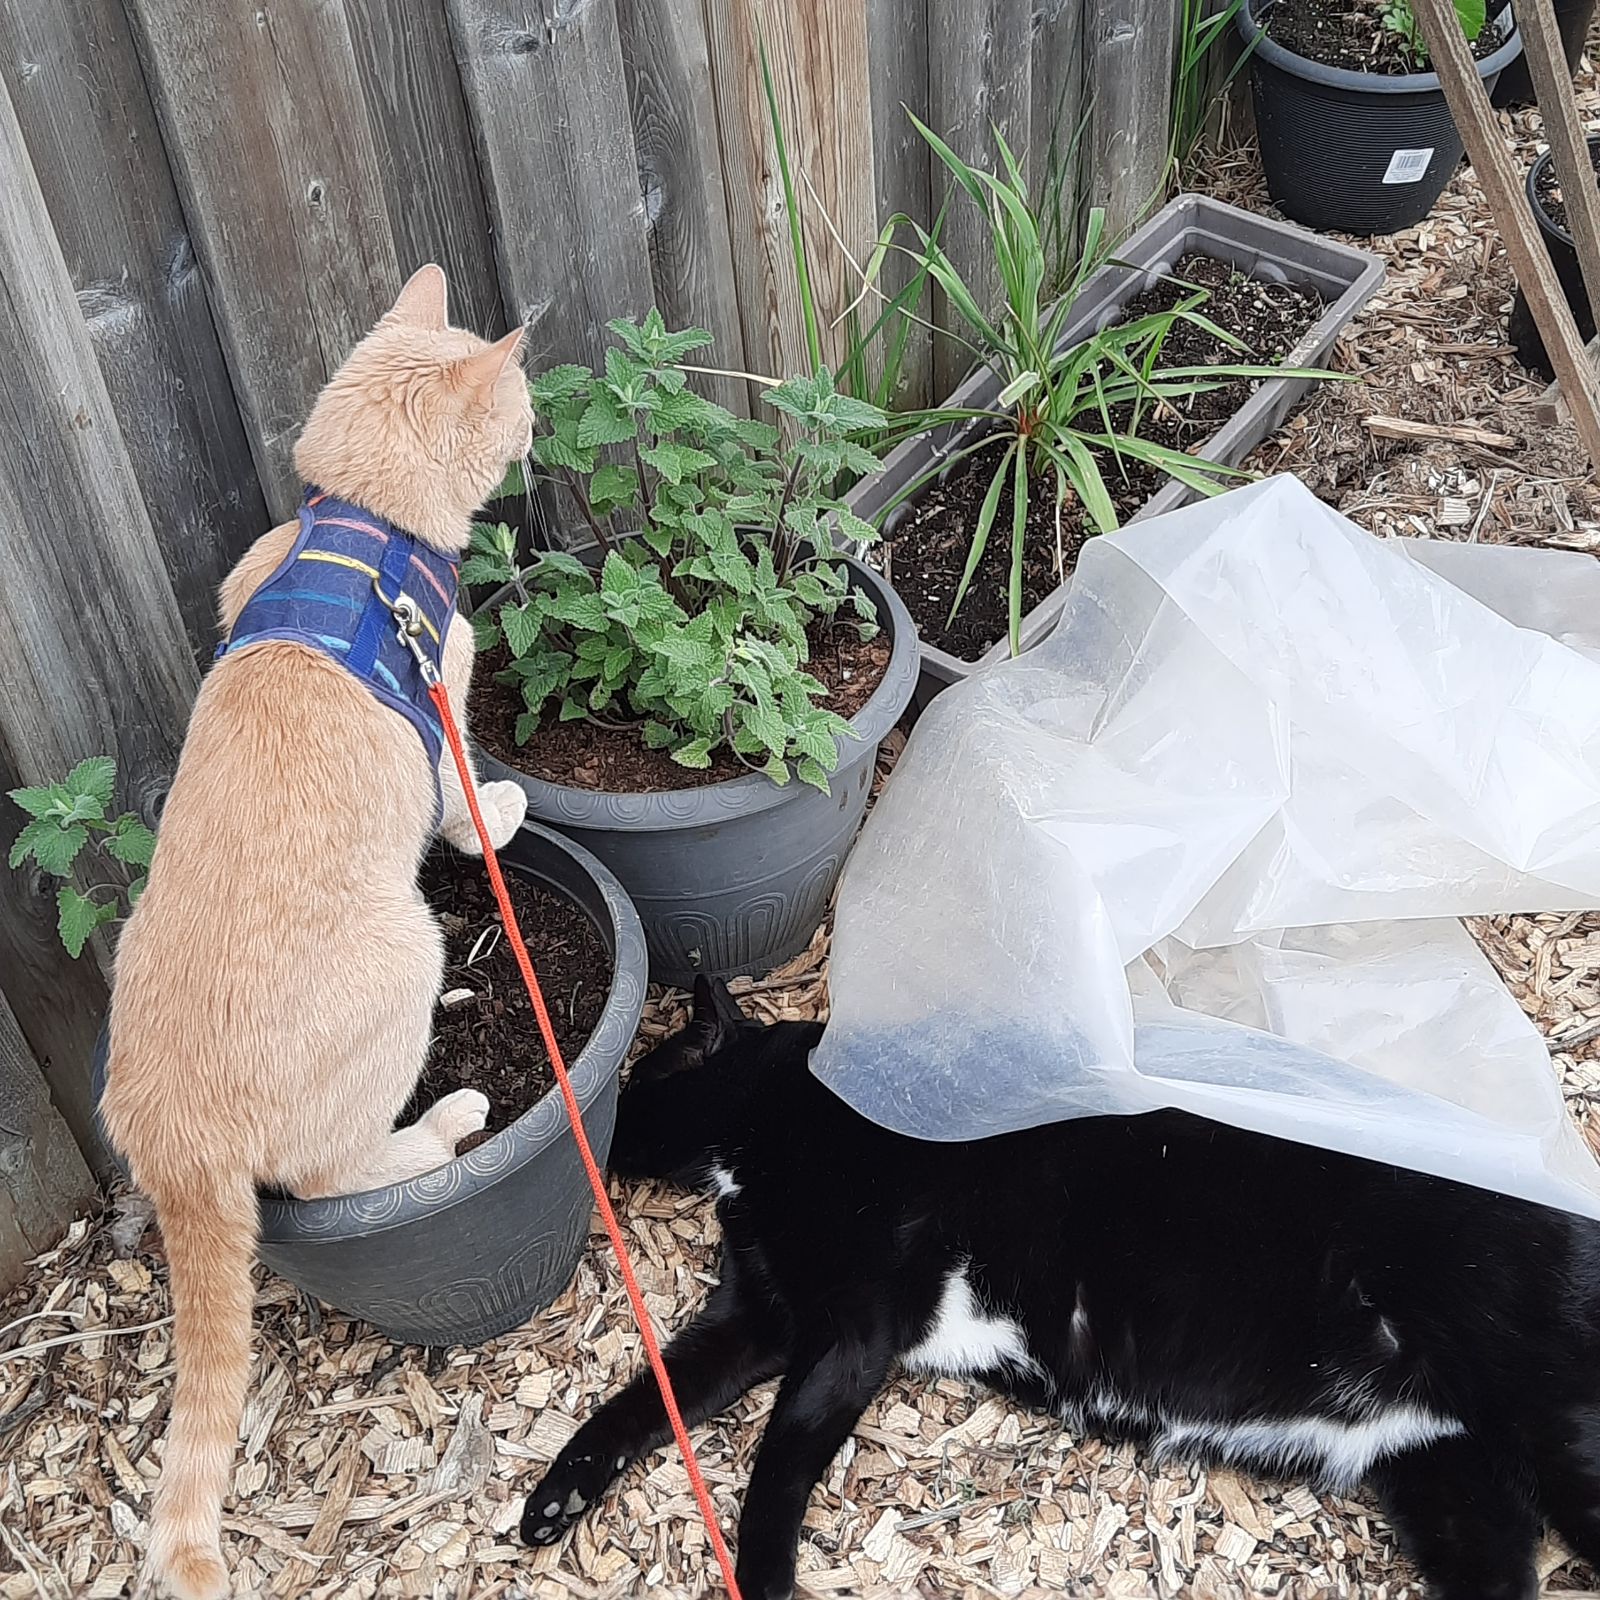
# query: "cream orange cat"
[[275, 986]]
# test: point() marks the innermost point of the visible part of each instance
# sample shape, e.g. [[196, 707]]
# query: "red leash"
[[597, 1180]]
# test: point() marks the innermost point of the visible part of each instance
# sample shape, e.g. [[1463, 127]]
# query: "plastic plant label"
[[1408, 166], [1208, 846]]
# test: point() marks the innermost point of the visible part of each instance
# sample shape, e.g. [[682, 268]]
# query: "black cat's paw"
[[568, 1490], [765, 1574]]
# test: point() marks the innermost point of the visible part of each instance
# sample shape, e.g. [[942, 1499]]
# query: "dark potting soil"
[[929, 544], [1351, 34], [488, 1039], [1548, 188], [584, 755]]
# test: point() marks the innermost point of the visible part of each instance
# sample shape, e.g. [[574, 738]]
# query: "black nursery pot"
[[1524, 331], [1515, 87], [1356, 152], [472, 1249]]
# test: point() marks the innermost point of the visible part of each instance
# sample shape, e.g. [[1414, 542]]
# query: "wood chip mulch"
[[368, 1470]]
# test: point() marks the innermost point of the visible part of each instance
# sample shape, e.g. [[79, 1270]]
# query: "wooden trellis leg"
[[1502, 183]]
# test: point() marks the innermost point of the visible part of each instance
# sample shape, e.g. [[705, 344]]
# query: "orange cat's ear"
[[424, 302], [481, 373]]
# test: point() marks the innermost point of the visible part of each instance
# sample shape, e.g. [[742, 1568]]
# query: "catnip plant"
[[65, 820], [1398, 17], [714, 553]]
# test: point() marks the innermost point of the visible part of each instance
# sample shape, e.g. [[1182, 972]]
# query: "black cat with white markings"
[[1211, 1293]]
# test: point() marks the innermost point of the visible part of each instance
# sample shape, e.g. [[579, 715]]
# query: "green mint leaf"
[[77, 917], [613, 486], [696, 753], [55, 848], [132, 842], [522, 625], [676, 461], [97, 777], [604, 423], [481, 567], [551, 389], [43, 801]]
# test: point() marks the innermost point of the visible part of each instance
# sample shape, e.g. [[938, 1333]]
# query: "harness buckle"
[[408, 629]]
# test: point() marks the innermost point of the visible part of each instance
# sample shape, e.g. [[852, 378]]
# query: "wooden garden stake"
[[1563, 127], [1502, 183]]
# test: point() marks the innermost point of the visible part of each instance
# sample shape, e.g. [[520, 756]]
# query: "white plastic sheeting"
[[1206, 846]]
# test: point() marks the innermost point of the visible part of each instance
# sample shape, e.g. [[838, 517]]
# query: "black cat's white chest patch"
[[964, 1340]]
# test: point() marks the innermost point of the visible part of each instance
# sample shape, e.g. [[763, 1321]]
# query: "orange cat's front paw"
[[504, 804]]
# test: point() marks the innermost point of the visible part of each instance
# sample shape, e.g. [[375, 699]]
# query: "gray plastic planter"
[[734, 877], [473, 1249], [1277, 252]]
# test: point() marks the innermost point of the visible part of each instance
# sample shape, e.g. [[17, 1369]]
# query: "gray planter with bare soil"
[[734, 878], [1277, 252]]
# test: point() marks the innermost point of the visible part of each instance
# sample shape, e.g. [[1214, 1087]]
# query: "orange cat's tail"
[[210, 1231]]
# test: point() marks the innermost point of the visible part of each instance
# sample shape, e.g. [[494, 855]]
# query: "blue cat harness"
[[349, 578]]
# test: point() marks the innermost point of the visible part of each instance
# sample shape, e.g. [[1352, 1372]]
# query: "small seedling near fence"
[[68, 819]]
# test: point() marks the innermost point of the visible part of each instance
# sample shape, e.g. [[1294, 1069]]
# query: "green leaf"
[[483, 568], [132, 842], [522, 625], [856, 528], [814, 773], [778, 770], [96, 777], [603, 422], [657, 735], [617, 577], [696, 753], [676, 461], [41, 802], [550, 389], [613, 486], [485, 631], [55, 848], [573, 710], [764, 724], [78, 917]]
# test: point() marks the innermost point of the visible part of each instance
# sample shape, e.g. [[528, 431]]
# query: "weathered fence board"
[[423, 139], [898, 50], [980, 78], [818, 55], [264, 117], [548, 98], [93, 655], [44, 1182], [86, 117], [1128, 53], [1059, 102], [680, 172]]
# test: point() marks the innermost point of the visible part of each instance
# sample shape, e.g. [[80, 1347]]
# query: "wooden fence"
[[203, 206]]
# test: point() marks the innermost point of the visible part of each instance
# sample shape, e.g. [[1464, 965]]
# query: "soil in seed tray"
[[584, 755], [929, 544], [1351, 34], [488, 1040], [1548, 188]]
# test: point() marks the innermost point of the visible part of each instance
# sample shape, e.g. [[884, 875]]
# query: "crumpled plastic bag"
[[1206, 847]]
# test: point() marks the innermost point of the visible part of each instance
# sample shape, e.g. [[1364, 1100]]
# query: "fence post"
[[818, 55], [91, 130], [264, 120], [44, 1183], [668, 67], [1129, 48], [980, 77], [546, 91], [93, 655]]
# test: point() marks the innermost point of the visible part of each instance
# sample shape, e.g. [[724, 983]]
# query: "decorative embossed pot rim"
[[300, 1223], [695, 807]]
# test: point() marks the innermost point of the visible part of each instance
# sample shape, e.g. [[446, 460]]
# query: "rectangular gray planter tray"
[[1260, 247]]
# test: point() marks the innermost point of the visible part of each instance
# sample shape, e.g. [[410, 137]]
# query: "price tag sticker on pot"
[[1408, 166]]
